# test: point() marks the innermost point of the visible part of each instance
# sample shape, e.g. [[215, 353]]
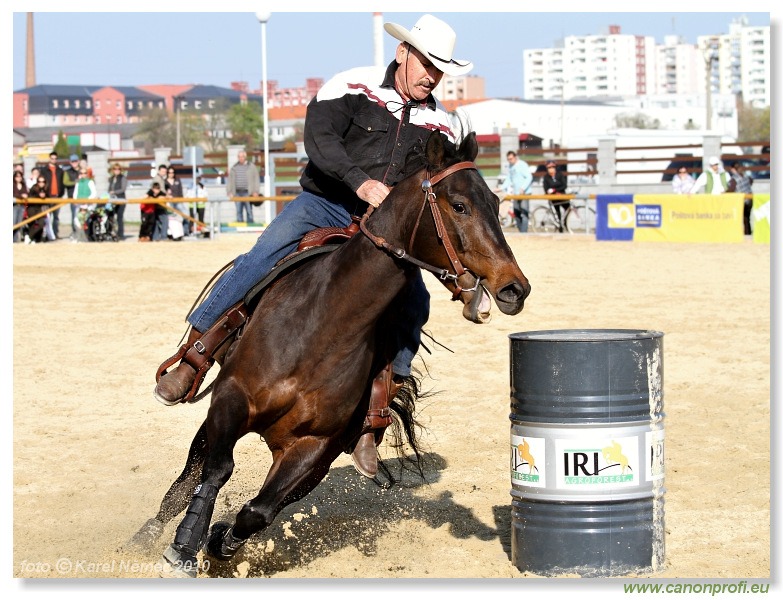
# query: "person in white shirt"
[[714, 180]]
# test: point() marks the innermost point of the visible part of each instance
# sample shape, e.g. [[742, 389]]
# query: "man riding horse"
[[359, 132]]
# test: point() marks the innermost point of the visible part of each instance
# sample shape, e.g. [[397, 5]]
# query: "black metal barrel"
[[587, 452]]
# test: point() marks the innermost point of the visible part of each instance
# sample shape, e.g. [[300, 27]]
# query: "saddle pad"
[[284, 266]]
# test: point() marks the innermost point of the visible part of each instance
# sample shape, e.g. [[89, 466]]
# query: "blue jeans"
[[521, 214], [244, 207], [305, 213]]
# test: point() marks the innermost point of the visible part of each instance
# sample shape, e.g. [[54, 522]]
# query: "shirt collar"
[[388, 82]]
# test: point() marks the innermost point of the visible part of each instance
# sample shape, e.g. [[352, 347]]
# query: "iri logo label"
[[620, 216], [655, 454], [598, 463], [527, 461]]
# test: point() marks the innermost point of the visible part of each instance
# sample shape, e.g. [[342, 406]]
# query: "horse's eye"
[[459, 208]]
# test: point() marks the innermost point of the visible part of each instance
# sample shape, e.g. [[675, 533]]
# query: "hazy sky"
[[136, 48]]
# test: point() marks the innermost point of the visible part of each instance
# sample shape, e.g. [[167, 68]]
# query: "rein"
[[429, 200]]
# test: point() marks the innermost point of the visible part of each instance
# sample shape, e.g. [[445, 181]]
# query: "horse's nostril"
[[514, 292]]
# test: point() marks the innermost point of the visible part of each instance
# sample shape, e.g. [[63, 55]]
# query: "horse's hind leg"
[[294, 473], [178, 495]]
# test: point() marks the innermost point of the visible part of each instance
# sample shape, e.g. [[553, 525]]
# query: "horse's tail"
[[405, 428]]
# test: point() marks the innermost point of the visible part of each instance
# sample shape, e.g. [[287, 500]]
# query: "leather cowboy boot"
[[365, 455], [197, 355]]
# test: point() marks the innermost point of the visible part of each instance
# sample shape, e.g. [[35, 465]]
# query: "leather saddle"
[[316, 242]]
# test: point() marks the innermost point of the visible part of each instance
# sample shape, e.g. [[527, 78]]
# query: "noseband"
[[430, 200]]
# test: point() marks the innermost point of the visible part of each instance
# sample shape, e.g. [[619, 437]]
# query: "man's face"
[[416, 76], [242, 157], [512, 159], [52, 158], [162, 171]]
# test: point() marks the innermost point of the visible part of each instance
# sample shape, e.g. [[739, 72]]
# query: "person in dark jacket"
[[555, 182], [359, 131], [53, 173], [118, 183]]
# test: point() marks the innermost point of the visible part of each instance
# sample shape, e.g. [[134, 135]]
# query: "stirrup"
[[201, 372], [200, 353]]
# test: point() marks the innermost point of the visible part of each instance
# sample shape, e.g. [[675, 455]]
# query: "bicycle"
[[578, 218], [506, 213]]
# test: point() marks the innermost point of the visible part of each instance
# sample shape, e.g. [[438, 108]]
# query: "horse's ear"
[[468, 149], [435, 150]]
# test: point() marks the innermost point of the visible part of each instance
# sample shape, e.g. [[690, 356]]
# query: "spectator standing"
[[148, 218], [200, 193], [20, 202], [118, 182], [161, 231], [84, 190], [555, 182], [518, 182], [174, 190], [682, 182], [243, 181], [744, 185], [54, 180], [714, 180], [40, 191], [70, 177]]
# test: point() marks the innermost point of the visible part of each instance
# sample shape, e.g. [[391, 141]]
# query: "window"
[[129, 104], [77, 104], [55, 103], [97, 105], [197, 104], [119, 104], [87, 104], [66, 104], [211, 104]]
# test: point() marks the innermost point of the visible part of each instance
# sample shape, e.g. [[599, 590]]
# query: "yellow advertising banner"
[[688, 218], [759, 218]]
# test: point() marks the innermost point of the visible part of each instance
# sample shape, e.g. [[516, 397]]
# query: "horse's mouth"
[[510, 299], [478, 308]]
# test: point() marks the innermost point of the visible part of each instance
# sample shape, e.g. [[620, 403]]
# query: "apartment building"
[[610, 65], [619, 65], [738, 62]]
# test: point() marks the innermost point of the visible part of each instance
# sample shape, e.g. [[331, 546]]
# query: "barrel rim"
[[585, 335]]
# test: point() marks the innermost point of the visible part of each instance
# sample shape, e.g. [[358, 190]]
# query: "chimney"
[[377, 22], [30, 66]]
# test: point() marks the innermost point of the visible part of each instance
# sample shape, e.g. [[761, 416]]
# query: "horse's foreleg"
[[192, 531], [294, 474], [178, 495]]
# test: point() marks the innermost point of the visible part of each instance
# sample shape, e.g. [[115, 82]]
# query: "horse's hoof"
[[221, 544], [177, 565], [145, 537]]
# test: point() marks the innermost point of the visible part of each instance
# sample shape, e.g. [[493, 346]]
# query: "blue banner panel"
[[615, 217]]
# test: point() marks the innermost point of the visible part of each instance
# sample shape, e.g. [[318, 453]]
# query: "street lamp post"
[[709, 58], [269, 206]]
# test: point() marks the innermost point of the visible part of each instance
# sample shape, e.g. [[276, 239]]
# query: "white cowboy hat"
[[435, 39]]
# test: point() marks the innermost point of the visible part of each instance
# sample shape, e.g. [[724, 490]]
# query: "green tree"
[[246, 123], [636, 121], [156, 130], [61, 146], [753, 123]]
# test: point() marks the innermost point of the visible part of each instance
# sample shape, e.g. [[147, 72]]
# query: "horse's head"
[[459, 232]]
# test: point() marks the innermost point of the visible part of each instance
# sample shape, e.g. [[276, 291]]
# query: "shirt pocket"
[[368, 136]]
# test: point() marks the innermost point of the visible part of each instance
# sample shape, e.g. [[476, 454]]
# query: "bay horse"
[[301, 374]]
